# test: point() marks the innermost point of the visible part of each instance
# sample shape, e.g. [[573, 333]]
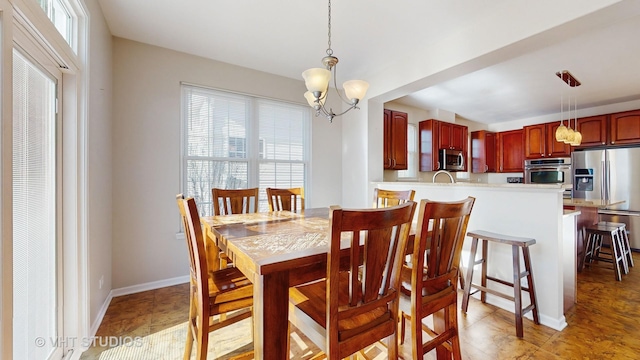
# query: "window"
[[235, 141], [57, 12], [412, 155]]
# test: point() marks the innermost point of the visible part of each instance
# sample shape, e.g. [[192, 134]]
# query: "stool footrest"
[[492, 292], [503, 282]]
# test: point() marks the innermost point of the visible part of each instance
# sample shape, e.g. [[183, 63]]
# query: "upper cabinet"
[[624, 128], [510, 151], [435, 135], [593, 130], [395, 140], [483, 152], [621, 128], [452, 136], [540, 142]]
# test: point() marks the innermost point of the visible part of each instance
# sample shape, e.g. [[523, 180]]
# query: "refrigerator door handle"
[[619, 212], [605, 180]]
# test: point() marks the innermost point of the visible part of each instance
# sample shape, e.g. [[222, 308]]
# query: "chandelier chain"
[[329, 51]]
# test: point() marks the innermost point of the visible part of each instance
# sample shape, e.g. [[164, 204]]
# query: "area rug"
[[224, 344]]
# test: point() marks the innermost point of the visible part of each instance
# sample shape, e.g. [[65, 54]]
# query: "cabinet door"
[[625, 128], [511, 151], [387, 161], [535, 138], [556, 148], [446, 129], [458, 137], [483, 152], [593, 130], [399, 121], [428, 144]]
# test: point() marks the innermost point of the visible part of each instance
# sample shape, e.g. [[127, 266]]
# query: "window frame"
[[255, 146]]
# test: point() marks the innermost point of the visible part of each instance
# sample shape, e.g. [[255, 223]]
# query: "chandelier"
[[563, 133], [317, 82]]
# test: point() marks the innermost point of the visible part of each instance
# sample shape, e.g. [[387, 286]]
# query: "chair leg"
[[192, 315], [453, 324]]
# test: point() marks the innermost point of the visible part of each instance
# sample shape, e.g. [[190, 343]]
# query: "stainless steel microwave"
[[452, 160]]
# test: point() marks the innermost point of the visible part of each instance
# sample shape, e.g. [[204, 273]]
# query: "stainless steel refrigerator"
[[611, 174]]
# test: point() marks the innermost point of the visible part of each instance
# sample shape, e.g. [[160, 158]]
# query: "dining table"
[[274, 250]]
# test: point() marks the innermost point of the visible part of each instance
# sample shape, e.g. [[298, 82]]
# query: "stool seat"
[[505, 239], [516, 243]]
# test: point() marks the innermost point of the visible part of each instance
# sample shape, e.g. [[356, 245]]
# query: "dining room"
[[130, 107]]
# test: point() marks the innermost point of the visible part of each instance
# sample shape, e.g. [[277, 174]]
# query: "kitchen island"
[[588, 216], [525, 210]]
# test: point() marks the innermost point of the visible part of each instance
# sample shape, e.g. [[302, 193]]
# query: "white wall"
[[146, 152], [99, 161]]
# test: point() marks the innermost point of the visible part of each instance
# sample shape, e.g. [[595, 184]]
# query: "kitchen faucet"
[[443, 172]]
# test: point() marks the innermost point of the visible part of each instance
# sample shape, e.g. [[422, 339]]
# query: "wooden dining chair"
[[385, 198], [429, 281], [211, 293], [285, 199], [346, 312], [234, 201]]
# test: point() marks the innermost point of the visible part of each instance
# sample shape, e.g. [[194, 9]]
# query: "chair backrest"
[[234, 201], [285, 199], [385, 198], [195, 243], [377, 240], [442, 227]]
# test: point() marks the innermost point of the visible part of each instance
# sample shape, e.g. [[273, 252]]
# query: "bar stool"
[[624, 237], [516, 244], [596, 235]]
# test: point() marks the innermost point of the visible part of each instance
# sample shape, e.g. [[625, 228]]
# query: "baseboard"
[[556, 324], [149, 286], [132, 290]]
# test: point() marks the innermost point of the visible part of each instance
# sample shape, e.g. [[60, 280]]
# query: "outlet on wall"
[[101, 282]]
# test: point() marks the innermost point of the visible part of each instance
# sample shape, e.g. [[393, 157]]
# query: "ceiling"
[[285, 37]]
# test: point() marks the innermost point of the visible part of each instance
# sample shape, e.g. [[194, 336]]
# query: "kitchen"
[[583, 175]]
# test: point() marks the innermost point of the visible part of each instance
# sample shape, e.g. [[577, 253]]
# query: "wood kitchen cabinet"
[[435, 135], [511, 151], [593, 130], [452, 136], [624, 128], [395, 140], [540, 142], [484, 157]]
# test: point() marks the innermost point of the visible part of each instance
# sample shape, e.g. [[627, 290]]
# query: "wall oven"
[[549, 171]]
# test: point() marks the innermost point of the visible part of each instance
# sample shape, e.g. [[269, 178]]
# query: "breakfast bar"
[[524, 210]]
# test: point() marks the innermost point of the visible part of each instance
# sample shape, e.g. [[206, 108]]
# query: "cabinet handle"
[[613, 142], [394, 163], [486, 168], [437, 165]]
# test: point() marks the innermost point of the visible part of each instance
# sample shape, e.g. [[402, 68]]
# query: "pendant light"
[[567, 134]]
